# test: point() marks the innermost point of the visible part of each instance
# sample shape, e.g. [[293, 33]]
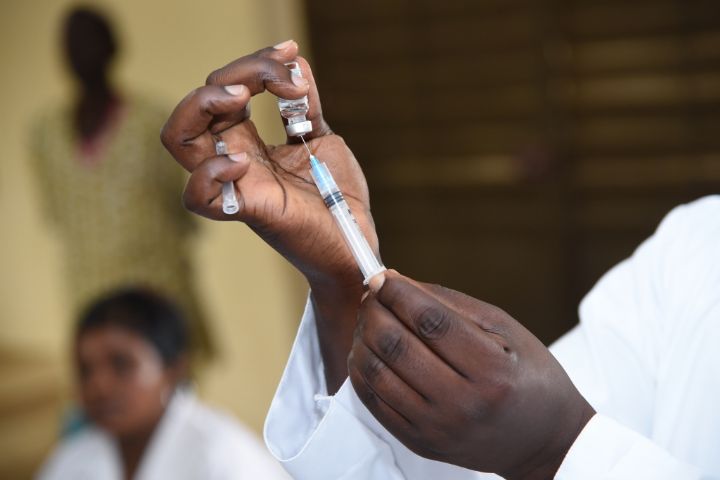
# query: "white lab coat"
[[646, 355], [191, 442]]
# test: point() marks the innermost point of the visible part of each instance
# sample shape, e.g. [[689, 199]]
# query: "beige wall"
[[254, 298]]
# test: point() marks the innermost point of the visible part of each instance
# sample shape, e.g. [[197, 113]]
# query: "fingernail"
[[299, 81], [376, 282], [284, 45], [364, 296], [237, 157], [235, 89]]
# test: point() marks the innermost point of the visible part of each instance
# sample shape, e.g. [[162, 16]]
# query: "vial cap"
[[299, 128]]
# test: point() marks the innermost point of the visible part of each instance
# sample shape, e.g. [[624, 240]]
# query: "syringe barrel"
[[356, 241]]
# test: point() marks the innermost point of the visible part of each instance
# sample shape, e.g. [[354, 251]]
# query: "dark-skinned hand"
[[277, 197], [460, 381]]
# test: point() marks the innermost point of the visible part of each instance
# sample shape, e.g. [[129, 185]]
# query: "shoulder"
[[688, 243], [684, 243], [698, 221], [688, 252], [86, 451], [671, 281], [679, 262], [87, 441]]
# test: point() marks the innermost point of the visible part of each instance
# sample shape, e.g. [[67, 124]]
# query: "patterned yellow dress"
[[118, 211]]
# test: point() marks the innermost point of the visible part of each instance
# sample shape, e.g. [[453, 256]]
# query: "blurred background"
[[252, 300], [515, 150]]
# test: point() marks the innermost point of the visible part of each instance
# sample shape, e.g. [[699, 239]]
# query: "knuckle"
[[210, 104], [195, 92], [367, 395], [190, 202], [363, 390], [215, 77], [359, 332], [270, 69], [271, 77], [432, 322], [499, 391], [372, 369], [391, 345], [262, 53], [494, 396], [474, 410], [350, 361]]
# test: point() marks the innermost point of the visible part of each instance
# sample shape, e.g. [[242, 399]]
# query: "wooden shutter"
[[515, 150]]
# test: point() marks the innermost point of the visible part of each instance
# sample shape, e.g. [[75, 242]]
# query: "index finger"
[[218, 105], [186, 135], [276, 80], [459, 342]]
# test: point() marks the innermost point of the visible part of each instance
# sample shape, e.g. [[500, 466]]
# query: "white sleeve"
[[645, 356], [606, 449], [318, 437]]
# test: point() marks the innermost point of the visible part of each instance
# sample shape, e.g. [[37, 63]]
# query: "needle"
[[306, 145]]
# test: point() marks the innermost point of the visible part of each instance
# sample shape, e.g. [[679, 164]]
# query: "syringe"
[[335, 202]]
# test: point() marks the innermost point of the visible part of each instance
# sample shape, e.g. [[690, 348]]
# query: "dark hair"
[[89, 20], [157, 320], [89, 40]]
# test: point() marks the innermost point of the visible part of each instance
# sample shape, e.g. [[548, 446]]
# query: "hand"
[[458, 380], [277, 197]]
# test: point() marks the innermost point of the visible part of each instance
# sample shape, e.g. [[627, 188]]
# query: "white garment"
[[646, 355], [192, 442]]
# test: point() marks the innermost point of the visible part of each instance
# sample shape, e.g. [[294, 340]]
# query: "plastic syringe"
[[335, 202]]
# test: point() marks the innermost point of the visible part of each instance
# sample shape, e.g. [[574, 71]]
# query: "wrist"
[[344, 288], [336, 305], [547, 462]]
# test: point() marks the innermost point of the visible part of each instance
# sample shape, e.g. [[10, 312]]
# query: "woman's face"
[[124, 385]]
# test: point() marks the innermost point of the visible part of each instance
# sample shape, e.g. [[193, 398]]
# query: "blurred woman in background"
[[108, 187], [131, 358]]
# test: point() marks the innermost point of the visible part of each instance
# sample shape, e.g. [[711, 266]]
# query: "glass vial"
[[294, 111]]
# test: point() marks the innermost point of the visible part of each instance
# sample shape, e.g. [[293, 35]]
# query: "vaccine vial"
[[294, 111]]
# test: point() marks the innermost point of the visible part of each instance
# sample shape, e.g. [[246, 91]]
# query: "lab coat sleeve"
[[318, 437], [606, 449]]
